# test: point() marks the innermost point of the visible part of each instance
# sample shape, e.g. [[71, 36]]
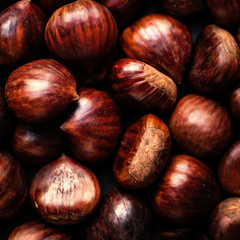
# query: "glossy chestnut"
[[201, 126], [160, 41], [40, 90], [216, 61], [234, 105], [64, 192], [14, 187], [37, 231], [140, 87], [144, 151], [121, 216], [22, 27], [186, 192], [93, 126]]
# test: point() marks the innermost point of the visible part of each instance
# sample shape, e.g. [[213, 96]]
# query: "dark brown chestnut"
[[201, 126], [122, 216], [216, 61], [37, 231], [144, 151], [39, 143], [22, 27], [187, 191], [64, 192], [234, 105], [138, 86], [81, 33], [14, 187], [175, 234], [93, 126], [225, 220], [161, 41], [40, 90]]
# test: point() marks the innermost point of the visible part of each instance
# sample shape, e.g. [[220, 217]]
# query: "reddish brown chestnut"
[[161, 41], [64, 192], [143, 153], [225, 220], [81, 33], [216, 62], [14, 187], [93, 126], [187, 191], [175, 234], [201, 126], [40, 90], [138, 86], [122, 216], [21, 32], [37, 231], [234, 105]]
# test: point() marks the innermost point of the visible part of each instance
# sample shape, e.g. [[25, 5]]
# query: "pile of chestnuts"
[[119, 120]]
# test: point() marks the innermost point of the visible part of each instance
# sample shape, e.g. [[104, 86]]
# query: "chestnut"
[[138, 86], [234, 105], [161, 41], [81, 33], [93, 126], [14, 187], [64, 192], [39, 143], [187, 191], [22, 27], [175, 234], [201, 126], [121, 216], [216, 61], [37, 231], [144, 151], [40, 90], [225, 220]]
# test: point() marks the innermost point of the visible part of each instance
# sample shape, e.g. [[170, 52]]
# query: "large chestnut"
[[161, 41], [64, 192], [225, 220], [93, 126], [138, 86], [14, 187], [186, 192], [201, 126], [143, 153], [37, 231], [216, 61], [122, 216], [22, 27], [81, 33], [40, 90]]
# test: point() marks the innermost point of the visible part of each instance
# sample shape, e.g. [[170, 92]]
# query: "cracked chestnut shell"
[[144, 151], [216, 61], [64, 192], [160, 41], [138, 86]]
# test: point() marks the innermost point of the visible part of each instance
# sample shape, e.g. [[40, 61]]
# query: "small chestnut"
[[234, 105], [64, 192], [143, 153]]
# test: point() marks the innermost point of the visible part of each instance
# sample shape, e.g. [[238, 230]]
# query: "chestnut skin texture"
[[225, 220], [226, 13], [144, 151], [140, 87], [201, 126], [228, 171], [37, 231], [93, 126], [64, 192], [122, 216], [81, 33], [40, 90], [22, 27], [216, 61], [234, 105], [160, 41], [14, 187], [186, 192]]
